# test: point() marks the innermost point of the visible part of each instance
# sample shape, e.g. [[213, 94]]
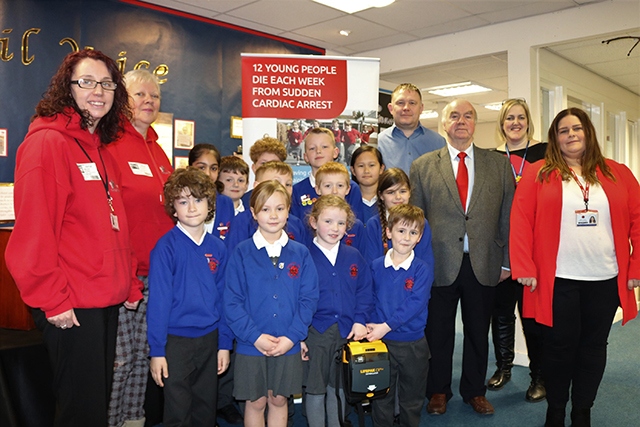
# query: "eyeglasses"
[[91, 84]]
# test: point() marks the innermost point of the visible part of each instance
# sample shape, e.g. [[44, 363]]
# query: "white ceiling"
[[410, 20]]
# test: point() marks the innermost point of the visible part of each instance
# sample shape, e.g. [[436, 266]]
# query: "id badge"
[[114, 222], [89, 171], [586, 218]]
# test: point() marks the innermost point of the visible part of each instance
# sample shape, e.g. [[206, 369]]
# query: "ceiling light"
[[353, 6], [345, 32], [457, 89], [429, 114], [495, 106]]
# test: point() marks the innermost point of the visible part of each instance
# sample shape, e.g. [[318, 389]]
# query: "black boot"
[[555, 417], [503, 330], [536, 391], [580, 417]]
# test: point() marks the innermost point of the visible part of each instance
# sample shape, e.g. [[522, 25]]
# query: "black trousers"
[[190, 391], [82, 361], [575, 352], [476, 304], [508, 293]]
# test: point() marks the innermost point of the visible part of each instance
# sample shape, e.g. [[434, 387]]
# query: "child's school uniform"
[[346, 297], [369, 209], [246, 199], [401, 298], [225, 211], [374, 248], [238, 209], [304, 195], [184, 314], [266, 298], [243, 226]]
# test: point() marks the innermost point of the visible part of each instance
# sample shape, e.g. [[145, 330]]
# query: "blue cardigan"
[[186, 284], [346, 290], [262, 298]]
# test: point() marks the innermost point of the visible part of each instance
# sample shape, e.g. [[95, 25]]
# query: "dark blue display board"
[[202, 59]]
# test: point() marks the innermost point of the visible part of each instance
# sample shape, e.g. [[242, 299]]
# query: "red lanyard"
[[585, 190]]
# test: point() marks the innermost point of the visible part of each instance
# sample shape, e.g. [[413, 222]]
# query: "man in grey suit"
[[466, 194]]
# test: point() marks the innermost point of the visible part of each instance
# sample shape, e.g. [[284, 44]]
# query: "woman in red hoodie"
[[69, 252]]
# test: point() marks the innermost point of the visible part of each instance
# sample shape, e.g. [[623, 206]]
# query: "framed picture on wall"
[[6, 202], [181, 162], [3, 143], [185, 131], [236, 127]]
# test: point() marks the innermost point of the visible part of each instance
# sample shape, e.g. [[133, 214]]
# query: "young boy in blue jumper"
[[320, 148], [188, 337], [402, 288]]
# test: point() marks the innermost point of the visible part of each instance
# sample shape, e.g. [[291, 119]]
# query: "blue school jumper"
[[243, 226], [401, 298], [369, 212], [304, 195], [262, 298], [186, 284], [374, 248], [346, 290], [224, 214], [246, 199]]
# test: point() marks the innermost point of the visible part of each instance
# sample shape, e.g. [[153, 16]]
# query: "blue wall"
[[203, 59]]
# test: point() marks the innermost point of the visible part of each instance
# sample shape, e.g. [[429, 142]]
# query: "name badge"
[[586, 218], [89, 171], [141, 169]]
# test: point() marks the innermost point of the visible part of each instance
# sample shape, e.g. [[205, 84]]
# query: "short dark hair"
[[234, 164], [406, 214]]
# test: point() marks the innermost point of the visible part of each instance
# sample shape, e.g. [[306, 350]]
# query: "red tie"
[[462, 180]]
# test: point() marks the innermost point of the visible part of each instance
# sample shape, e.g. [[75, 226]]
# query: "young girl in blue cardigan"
[[270, 297], [346, 301]]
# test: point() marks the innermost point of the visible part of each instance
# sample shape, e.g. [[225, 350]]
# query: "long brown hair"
[[591, 159], [59, 96]]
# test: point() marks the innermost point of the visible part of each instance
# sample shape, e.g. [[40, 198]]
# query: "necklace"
[[517, 176]]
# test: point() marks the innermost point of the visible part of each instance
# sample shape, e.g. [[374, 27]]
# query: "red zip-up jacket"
[[63, 252]]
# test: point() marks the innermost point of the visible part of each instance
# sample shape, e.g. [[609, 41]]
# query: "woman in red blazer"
[[574, 219]]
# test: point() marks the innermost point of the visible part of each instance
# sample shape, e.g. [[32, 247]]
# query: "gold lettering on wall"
[[4, 46], [122, 61], [160, 71], [72, 43], [26, 59], [142, 64]]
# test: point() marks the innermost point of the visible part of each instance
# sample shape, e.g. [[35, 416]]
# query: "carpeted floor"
[[616, 406]]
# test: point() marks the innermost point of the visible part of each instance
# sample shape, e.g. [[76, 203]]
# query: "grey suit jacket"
[[433, 188]]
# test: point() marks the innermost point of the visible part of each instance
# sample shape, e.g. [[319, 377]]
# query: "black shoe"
[[555, 417], [499, 378], [503, 332], [230, 414], [536, 391]]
